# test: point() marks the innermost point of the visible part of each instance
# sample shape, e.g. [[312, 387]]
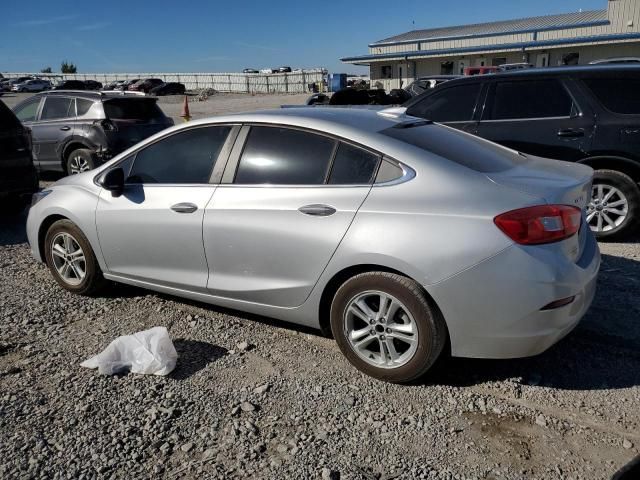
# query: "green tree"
[[46, 70], [68, 67]]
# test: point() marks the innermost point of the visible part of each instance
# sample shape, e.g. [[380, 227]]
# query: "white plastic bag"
[[149, 352]]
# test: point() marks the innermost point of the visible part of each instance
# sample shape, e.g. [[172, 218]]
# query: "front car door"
[[285, 202], [453, 105], [153, 231], [538, 116], [55, 124]]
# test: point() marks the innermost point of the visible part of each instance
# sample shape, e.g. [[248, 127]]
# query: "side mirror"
[[113, 180]]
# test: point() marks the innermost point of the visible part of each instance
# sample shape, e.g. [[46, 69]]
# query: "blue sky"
[[201, 36]]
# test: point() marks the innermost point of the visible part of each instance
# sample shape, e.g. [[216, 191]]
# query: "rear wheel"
[[385, 326], [613, 210], [80, 160], [71, 260]]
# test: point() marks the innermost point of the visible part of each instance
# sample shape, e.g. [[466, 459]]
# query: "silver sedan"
[[396, 235]]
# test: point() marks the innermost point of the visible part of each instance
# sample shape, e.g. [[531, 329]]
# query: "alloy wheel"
[[77, 164], [380, 329], [607, 209], [68, 259]]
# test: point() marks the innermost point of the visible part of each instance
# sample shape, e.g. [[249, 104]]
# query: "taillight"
[[540, 224]]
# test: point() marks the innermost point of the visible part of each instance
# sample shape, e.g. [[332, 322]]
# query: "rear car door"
[[454, 105], [153, 231], [55, 124], [538, 116], [285, 202]]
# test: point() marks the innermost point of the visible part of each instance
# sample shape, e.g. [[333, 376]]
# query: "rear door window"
[[528, 99], [353, 166], [83, 105], [57, 107], [186, 157], [132, 109], [618, 95], [284, 156], [453, 104]]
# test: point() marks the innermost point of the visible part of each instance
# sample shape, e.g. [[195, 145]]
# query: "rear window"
[[618, 95], [466, 150], [132, 109], [7, 119]]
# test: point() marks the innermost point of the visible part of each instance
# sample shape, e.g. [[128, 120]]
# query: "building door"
[[542, 60]]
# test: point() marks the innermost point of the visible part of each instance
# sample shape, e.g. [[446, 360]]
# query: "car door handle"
[[317, 210], [570, 133], [65, 128], [184, 207]]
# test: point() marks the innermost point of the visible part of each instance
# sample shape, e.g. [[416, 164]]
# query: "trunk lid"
[[557, 182]]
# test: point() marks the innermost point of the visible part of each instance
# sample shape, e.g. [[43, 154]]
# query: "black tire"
[[631, 191], [93, 280], [77, 160], [431, 329]]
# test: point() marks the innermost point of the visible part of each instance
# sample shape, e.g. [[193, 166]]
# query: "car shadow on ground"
[[194, 356]]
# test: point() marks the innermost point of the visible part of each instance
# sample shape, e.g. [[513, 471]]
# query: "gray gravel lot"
[[289, 405]]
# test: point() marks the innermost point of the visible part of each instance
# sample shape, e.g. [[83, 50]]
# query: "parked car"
[[471, 71], [616, 60], [92, 85], [171, 88], [18, 177], [250, 70], [77, 131], [268, 70], [397, 235], [7, 84], [588, 114], [507, 67], [284, 70], [422, 84], [145, 85], [35, 85], [127, 83], [70, 85]]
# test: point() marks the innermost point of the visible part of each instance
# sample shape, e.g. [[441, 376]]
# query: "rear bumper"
[[494, 310]]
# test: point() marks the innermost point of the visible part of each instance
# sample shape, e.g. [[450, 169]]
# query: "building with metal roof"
[[549, 40]]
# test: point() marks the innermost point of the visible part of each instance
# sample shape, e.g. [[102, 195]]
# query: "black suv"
[[77, 131], [18, 178], [585, 114]]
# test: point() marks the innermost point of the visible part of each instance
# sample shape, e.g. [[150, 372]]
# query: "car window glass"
[[28, 111], [352, 165], [388, 172], [83, 105], [57, 107], [618, 95], [144, 109], [186, 157], [530, 99], [454, 104], [284, 156]]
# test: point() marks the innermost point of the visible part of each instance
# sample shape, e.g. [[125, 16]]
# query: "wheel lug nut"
[[372, 332], [388, 330], [381, 337]]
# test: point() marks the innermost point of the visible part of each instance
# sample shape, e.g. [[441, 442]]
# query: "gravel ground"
[[257, 398]]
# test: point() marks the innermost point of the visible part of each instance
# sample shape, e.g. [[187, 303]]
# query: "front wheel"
[[386, 326], [71, 260], [613, 210]]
